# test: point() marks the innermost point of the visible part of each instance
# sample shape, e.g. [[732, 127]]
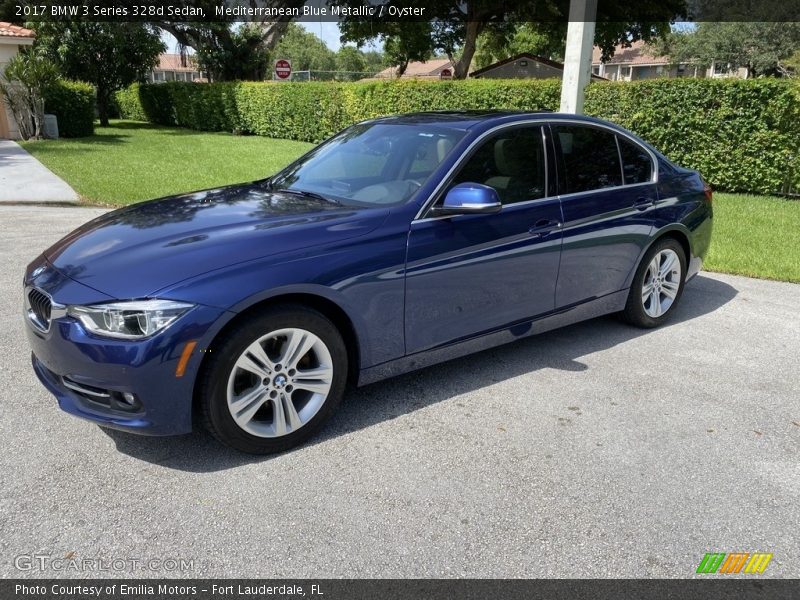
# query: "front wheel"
[[657, 285], [273, 380]]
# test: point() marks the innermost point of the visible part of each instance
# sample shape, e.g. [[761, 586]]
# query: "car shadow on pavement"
[[560, 349]]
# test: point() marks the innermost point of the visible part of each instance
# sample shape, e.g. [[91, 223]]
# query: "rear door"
[[608, 192]]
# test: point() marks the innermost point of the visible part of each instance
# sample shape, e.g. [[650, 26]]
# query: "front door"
[[471, 274]]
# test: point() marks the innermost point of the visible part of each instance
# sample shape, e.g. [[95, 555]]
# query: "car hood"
[[136, 251]]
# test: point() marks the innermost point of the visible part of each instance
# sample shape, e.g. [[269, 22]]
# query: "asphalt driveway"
[[597, 450]]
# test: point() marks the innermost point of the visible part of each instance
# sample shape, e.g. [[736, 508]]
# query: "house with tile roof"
[[435, 68], [176, 67], [12, 39], [524, 66], [639, 61]]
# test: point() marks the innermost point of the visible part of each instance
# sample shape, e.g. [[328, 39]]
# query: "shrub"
[[742, 135], [130, 104], [72, 102]]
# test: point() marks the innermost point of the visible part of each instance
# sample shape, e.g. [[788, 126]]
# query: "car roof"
[[482, 120], [467, 119]]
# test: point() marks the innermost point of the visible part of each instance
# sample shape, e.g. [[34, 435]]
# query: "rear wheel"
[[272, 381], [657, 286]]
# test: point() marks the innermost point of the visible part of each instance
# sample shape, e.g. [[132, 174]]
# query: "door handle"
[[644, 203], [542, 227]]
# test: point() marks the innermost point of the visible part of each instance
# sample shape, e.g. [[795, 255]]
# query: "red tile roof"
[[429, 68], [638, 54], [176, 62], [9, 30]]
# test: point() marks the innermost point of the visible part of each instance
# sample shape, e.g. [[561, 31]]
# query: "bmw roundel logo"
[[37, 271]]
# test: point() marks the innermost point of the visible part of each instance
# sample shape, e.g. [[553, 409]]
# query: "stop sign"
[[283, 69]]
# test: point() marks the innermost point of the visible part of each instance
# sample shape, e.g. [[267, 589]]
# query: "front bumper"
[[89, 374]]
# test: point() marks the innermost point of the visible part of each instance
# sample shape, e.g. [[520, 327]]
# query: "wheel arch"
[[676, 232], [681, 237], [322, 304]]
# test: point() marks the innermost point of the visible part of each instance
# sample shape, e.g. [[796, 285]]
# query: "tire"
[[282, 394], [643, 310]]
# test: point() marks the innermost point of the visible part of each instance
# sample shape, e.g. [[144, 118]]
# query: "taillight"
[[708, 192]]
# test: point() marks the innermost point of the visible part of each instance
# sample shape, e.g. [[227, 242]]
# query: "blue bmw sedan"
[[396, 244]]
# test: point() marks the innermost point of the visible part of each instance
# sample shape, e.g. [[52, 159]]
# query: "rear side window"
[[637, 167], [590, 159]]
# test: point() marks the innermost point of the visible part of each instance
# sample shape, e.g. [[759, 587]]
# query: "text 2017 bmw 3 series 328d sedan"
[[398, 243]]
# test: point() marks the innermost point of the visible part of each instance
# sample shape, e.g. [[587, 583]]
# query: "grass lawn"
[[128, 161], [756, 236]]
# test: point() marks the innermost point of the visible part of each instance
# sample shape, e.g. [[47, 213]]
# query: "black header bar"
[[713, 588], [394, 10]]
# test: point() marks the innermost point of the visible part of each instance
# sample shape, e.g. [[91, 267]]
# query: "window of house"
[[512, 162], [624, 72], [721, 68], [596, 70], [589, 158], [637, 167]]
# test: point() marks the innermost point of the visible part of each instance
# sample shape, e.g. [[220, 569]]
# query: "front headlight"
[[130, 320]]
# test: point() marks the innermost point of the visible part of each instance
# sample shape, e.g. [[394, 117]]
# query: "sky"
[[327, 32]]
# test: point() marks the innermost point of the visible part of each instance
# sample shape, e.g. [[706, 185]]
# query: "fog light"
[[128, 398]]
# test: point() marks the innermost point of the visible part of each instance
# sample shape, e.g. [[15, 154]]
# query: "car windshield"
[[371, 164]]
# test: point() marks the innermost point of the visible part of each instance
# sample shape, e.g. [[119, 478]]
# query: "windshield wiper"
[[307, 194]]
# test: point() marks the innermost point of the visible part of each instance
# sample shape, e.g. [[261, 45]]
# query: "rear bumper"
[[694, 267]]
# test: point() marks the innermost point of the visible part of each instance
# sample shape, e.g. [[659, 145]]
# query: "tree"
[[403, 41], [761, 48], [108, 55], [350, 59], [374, 60], [498, 43], [23, 84], [456, 24], [233, 54], [792, 64], [306, 51]]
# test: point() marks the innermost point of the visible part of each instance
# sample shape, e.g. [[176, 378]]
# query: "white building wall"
[[7, 52]]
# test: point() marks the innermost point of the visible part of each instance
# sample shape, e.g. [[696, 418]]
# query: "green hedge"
[[742, 135], [72, 102]]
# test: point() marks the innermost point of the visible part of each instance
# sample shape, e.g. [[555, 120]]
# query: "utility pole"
[[578, 55]]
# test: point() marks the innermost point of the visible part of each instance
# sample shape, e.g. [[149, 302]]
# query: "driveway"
[[594, 451]]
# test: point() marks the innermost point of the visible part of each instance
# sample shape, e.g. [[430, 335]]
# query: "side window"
[[512, 162], [637, 166], [590, 158]]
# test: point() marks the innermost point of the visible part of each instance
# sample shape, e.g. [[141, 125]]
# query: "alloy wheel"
[[280, 382], [662, 281]]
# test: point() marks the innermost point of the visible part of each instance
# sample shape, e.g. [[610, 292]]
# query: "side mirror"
[[469, 199]]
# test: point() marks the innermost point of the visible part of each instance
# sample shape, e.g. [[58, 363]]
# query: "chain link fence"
[[332, 75]]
